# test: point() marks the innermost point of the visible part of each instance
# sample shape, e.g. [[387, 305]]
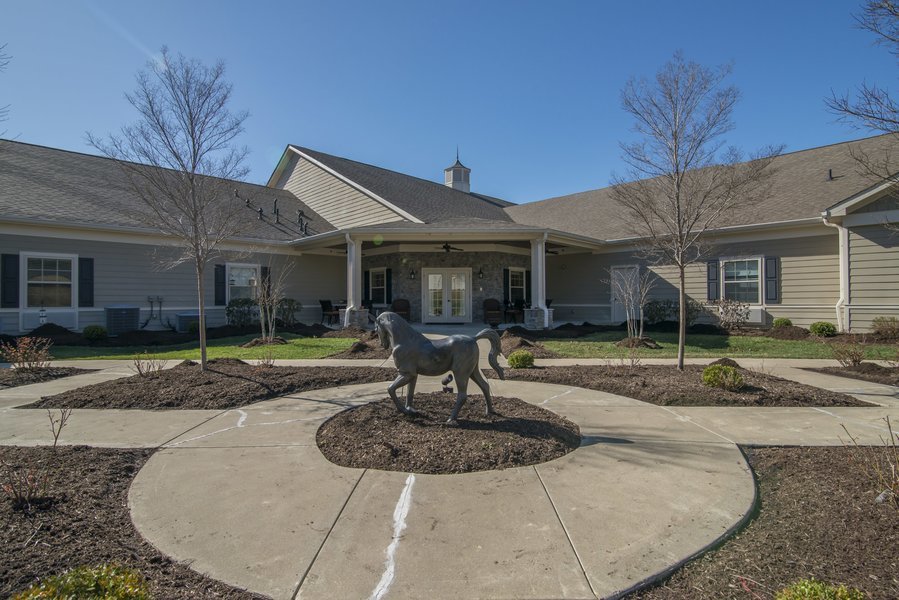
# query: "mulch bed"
[[666, 386], [10, 378], [227, 383], [511, 342], [866, 372], [88, 523], [377, 436], [818, 519], [364, 350]]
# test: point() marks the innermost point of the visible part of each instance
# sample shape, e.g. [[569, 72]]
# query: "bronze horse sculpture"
[[414, 355]]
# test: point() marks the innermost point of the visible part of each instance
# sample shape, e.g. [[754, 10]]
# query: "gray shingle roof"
[[58, 186], [800, 189], [428, 201]]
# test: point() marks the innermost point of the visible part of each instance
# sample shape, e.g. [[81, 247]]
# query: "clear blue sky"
[[528, 90]]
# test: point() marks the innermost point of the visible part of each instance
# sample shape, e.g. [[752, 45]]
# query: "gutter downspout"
[[844, 270]]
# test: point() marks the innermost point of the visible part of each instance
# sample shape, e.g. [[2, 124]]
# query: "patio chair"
[[401, 307], [493, 312], [515, 311], [329, 312]]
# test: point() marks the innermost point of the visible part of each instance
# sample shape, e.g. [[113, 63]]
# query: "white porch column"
[[353, 279], [538, 277]]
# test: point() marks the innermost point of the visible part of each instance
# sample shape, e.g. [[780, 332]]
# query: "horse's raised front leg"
[[400, 381], [478, 378], [461, 395]]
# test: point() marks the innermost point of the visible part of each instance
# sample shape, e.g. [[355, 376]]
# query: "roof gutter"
[[844, 268]]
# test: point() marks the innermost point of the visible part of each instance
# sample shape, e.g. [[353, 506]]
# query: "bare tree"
[[873, 108], [680, 182], [180, 160], [269, 297], [632, 289], [4, 62]]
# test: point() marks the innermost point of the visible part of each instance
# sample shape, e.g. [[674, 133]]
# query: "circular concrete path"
[[247, 498]]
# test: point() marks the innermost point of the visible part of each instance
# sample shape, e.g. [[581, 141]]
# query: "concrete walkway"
[[245, 496]]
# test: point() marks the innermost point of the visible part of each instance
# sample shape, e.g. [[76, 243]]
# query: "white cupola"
[[457, 176]]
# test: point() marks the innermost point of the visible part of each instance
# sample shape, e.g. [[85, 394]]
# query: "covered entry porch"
[[445, 274]]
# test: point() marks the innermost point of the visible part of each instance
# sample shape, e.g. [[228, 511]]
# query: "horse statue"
[[414, 355]]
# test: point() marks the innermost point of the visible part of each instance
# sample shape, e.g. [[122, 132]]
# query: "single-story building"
[[73, 251]]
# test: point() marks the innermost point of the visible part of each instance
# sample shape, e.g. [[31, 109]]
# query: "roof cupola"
[[457, 176]]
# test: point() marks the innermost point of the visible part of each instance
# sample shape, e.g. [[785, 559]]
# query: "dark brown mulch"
[[818, 519], [511, 342], [365, 350], [10, 378], [352, 332], [275, 341], [88, 523], [666, 386], [227, 383], [638, 342], [377, 436], [866, 372], [787, 332]]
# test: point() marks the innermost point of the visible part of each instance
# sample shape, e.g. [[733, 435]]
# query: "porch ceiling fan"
[[447, 248]]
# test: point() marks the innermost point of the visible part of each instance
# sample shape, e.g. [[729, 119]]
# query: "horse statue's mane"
[[414, 355]]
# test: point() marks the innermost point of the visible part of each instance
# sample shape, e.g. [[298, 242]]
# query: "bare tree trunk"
[[202, 307], [682, 318]]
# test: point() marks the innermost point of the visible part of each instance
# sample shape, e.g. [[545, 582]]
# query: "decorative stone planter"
[[533, 318], [358, 317]]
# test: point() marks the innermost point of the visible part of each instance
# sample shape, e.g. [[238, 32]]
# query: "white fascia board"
[[279, 168], [738, 228], [841, 208], [122, 234], [355, 185]]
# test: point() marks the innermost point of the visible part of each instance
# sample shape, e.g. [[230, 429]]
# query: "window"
[[516, 285], [741, 280], [242, 281], [377, 286], [49, 282]]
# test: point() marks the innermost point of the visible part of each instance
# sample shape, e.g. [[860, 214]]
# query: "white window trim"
[[23, 279], [371, 279], [761, 262], [524, 282], [228, 267]]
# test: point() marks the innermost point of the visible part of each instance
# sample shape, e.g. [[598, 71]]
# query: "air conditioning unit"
[[122, 318]]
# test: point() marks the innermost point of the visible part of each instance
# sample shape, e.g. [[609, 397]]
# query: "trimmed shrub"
[[521, 359], [110, 582], [241, 312], [810, 589], [781, 322], [94, 333], [722, 376], [28, 353], [885, 327], [823, 329]]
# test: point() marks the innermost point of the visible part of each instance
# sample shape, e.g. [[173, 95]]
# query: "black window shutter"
[[714, 285], [9, 281], [506, 287], [366, 286], [527, 287], [772, 280], [265, 276], [85, 281], [388, 293], [220, 291]]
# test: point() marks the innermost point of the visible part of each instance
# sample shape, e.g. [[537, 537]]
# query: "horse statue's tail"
[[495, 348]]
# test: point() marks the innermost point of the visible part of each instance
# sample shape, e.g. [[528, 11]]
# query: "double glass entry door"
[[446, 295]]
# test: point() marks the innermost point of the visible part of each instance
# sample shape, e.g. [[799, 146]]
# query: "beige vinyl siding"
[[336, 201], [873, 274], [129, 273]]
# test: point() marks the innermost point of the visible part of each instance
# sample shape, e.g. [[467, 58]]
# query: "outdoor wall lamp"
[[42, 315], [412, 274], [480, 273]]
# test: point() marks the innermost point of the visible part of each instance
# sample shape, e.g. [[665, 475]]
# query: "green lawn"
[[298, 347], [602, 345]]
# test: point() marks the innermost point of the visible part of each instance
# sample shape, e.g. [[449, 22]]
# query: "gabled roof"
[[801, 190], [426, 200], [47, 185]]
